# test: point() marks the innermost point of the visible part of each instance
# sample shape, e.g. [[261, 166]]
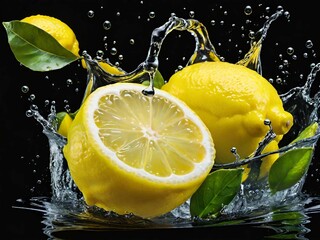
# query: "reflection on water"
[[73, 217]]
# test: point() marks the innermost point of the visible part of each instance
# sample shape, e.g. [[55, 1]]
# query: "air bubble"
[[131, 41], [191, 14]]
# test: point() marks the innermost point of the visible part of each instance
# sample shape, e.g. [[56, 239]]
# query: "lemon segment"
[[132, 153]]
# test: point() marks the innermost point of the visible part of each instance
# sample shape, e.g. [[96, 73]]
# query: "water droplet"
[[309, 44], [90, 13], [99, 54], [248, 10], [29, 113], [278, 80], [286, 14], [152, 14], [106, 25], [290, 50], [25, 89], [113, 51], [32, 97], [267, 122], [69, 82]]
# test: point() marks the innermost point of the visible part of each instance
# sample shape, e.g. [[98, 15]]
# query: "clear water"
[[65, 209]]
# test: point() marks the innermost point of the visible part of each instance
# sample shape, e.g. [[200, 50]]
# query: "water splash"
[[251, 205]]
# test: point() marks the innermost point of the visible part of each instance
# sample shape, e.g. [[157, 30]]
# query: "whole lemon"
[[233, 101], [57, 29]]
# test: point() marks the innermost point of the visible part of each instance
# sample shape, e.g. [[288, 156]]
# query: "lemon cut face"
[[132, 153]]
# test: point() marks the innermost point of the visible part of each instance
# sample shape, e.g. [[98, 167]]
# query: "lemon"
[[64, 122], [57, 29], [233, 101], [131, 153]]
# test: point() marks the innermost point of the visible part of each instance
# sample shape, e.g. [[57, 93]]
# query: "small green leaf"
[[35, 48], [218, 190], [307, 132], [289, 168], [158, 80], [292, 165]]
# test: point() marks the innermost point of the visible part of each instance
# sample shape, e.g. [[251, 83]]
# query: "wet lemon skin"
[[233, 101]]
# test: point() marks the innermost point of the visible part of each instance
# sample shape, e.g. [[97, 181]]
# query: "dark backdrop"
[[24, 149]]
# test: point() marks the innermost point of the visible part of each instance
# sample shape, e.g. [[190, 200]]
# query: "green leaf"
[[158, 80], [218, 190], [35, 48], [307, 132], [289, 168]]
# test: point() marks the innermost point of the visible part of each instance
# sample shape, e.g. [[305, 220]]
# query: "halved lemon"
[[132, 153]]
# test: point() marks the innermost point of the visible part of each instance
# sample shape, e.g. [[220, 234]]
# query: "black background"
[[24, 149]]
